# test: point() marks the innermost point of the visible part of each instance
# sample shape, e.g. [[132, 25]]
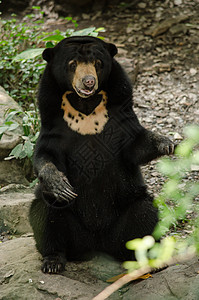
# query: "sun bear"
[[91, 196]]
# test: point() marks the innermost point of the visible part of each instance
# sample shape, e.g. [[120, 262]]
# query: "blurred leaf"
[[184, 149], [165, 166], [33, 183], [28, 148], [192, 132], [16, 152], [28, 54], [82, 32], [100, 29], [49, 45], [3, 129], [56, 38]]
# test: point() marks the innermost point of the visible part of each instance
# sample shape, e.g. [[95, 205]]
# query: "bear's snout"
[[89, 81], [85, 80]]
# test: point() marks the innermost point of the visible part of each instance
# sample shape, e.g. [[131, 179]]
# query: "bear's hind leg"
[[48, 236], [59, 235], [136, 221]]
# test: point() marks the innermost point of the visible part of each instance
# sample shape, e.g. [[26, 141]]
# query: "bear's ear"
[[112, 49], [47, 54]]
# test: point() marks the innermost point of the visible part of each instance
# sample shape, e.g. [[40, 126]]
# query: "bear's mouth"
[[84, 93]]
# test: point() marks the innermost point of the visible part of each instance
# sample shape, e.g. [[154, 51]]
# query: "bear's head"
[[81, 64]]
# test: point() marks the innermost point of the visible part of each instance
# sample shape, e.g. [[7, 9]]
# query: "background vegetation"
[[21, 46]]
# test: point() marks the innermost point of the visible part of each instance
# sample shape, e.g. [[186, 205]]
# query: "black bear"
[[91, 195]]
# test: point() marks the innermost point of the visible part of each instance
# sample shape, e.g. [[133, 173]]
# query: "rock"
[[129, 29], [177, 2], [12, 138], [195, 168], [177, 136], [142, 5], [193, 72], [176, 29], [122, 52], [197, 112], [85, 16], [11, 171], [20, 277], [176, 282], [163, 26], [14, 209]]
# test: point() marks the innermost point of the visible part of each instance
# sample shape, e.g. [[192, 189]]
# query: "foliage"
[[21, 79], [56, 37], [154, 255], [30, 124], [175, 189]]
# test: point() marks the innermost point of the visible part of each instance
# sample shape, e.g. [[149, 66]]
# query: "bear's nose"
[[89, 81]]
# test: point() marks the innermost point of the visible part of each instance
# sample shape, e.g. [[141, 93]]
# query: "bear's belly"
[[102, 199]]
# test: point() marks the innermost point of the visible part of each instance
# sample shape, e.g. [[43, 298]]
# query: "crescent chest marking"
[[81, 123]]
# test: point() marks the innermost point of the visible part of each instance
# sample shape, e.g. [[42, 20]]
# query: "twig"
[[137, 273]]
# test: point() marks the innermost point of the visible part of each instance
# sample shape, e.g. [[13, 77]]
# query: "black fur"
[[91, 195]]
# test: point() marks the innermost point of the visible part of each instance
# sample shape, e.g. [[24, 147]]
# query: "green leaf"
[[28, 148], [49, 45], [56, 38], [16, 152], [36, 7], [192, 132], [165, 166], [3, 129], [100, 29], [86, 31], [171, 187], [13, 126], [68, 18], [12, 113], [34, 138], [131, 265], [33, 183], [28, 54], [184, 149]]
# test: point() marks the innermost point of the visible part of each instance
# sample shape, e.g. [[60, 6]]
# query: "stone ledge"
[[14, 209], [12, 138], [20, 277]]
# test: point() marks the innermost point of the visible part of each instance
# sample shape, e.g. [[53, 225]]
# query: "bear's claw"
[[53, 264], [166, 146], [54, 183]]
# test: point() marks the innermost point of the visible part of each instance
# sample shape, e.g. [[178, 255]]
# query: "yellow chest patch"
[[83, 124]]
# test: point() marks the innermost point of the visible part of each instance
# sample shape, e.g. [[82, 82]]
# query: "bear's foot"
[[53, 264]]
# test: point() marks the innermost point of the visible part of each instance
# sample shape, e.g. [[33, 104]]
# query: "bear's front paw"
[[55, 185], [53, 264], [166, 146]]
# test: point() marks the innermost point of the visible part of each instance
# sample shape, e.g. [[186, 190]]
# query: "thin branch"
[[138, 273]]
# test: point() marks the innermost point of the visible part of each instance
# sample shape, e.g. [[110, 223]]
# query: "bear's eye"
[[72, 65], [98, 64]]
